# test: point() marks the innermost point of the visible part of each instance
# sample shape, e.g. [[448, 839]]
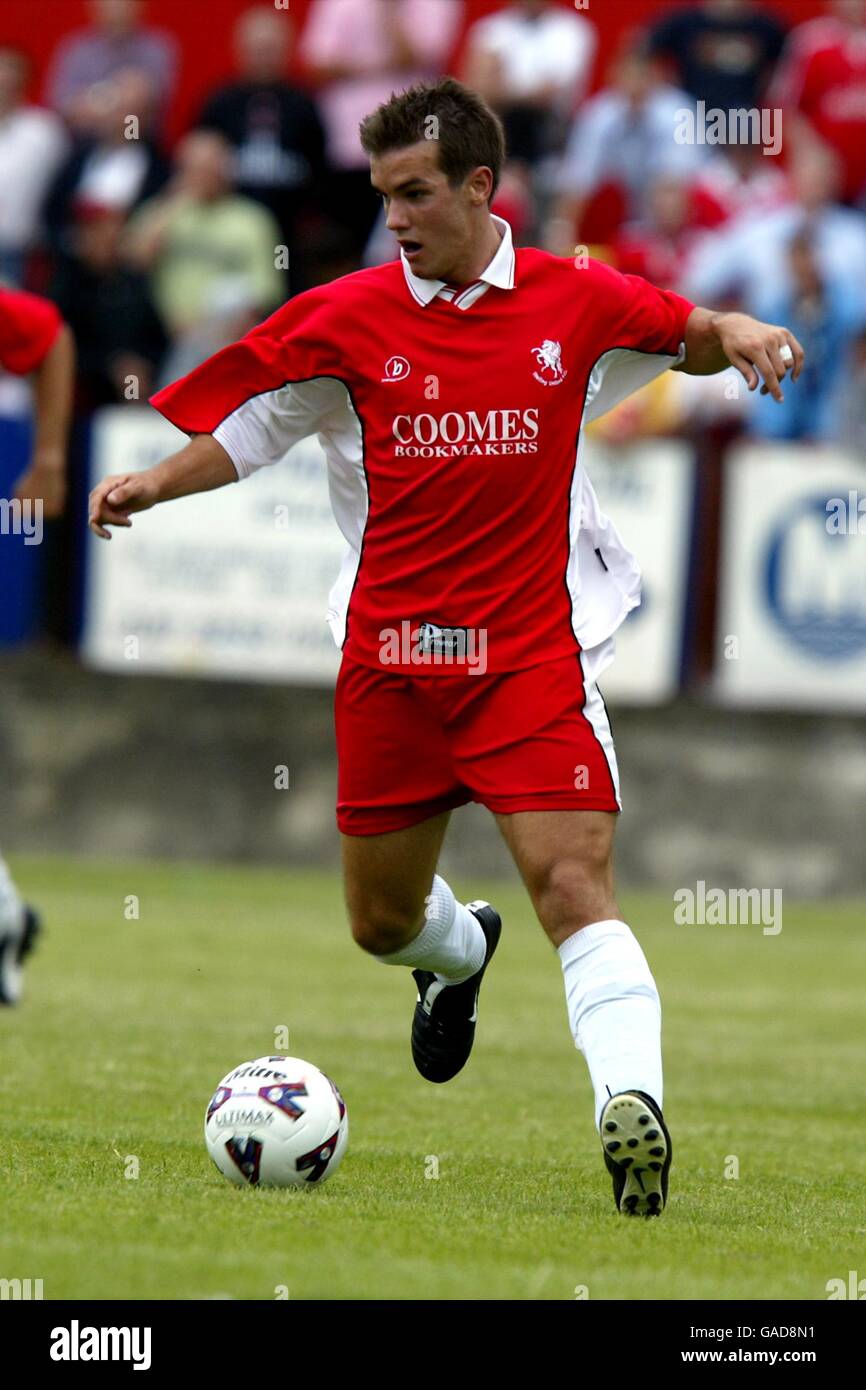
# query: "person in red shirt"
[[822, 80], [34, 339], [481, 585]]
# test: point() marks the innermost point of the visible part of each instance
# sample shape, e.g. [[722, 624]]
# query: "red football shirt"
[[451, 423], [28, 327], [823, 75]]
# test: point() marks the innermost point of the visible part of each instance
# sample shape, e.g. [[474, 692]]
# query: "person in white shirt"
[[622, 137], [32, 145], [747, 260], [358, 52], [532, 62]]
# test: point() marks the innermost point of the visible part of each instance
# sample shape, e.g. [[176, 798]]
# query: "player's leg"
[[396, 790], [387, 880], [566, 861], [19, 926], [404, 913], [536, 748]]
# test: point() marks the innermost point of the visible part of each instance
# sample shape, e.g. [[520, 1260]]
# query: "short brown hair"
[[468, 133]]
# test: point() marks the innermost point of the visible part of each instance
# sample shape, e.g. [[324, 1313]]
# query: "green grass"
[[127, 1025]]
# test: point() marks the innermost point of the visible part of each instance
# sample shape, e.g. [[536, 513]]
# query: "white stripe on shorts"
[[592, 663]]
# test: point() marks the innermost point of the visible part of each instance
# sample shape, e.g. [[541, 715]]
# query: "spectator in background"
[[109, 308], [747, 259], [532, 62], [274, 128], [721, 51], [827, 313], [116, 42], [658, 246], [212, 254], [32, 144], [681, 213], [359, 52], [740, 178], [622, 140], [852, 400], [821, 87], [106, 167]]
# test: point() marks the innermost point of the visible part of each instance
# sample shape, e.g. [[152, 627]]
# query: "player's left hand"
[[761, 352], [44, 481]]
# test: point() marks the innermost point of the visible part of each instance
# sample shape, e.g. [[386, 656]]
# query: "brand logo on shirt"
[[457, 433], [549, 360], [396, 369]]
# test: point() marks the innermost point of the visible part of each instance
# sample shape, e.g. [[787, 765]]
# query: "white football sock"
[[450, 943], [614, 1010], [11, 906]]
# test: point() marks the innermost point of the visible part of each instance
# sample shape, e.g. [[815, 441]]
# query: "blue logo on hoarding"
[[815, 582]]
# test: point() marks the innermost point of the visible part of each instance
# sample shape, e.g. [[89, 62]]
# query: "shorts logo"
[[549, 360], [396, 369]]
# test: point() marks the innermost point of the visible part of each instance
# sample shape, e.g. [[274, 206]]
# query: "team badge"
[[549, 359]]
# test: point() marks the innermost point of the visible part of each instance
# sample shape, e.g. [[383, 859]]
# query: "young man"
[[34, 339], [481, 585]]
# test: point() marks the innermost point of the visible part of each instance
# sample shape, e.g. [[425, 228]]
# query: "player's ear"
[[481, 185]]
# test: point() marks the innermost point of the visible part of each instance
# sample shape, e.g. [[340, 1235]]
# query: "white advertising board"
[[230, 583], [647, 490], [792, 616]]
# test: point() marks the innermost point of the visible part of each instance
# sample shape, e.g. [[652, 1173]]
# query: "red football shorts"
[[411, 747]]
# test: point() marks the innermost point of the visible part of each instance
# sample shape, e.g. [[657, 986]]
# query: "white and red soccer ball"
[[276, 1122]]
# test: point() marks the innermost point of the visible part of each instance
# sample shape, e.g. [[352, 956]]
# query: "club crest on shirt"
[[396, 369], [549, 359]]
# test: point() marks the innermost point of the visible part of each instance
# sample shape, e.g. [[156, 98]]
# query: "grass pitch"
[[128, 1024]]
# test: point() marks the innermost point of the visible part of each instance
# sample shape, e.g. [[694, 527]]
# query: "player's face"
[[435, 223]]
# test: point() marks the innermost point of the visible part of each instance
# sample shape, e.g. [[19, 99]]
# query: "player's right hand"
[[112, 500]]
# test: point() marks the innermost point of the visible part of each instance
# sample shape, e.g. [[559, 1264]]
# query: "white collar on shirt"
[[500, 272]]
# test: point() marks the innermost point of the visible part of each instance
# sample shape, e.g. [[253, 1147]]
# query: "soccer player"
[[481, 585], [34, 338]]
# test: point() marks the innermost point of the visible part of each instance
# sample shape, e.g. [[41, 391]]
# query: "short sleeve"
[[28, 328], [643, 335], [298, 343], [639, 315]]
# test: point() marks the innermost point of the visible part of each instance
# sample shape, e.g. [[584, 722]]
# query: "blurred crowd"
[[158, 255]]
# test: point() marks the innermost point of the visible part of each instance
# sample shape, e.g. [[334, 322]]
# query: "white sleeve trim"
[[263, 429], [620, 372]]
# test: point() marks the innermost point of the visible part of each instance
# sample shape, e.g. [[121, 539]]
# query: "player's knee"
[[576, 891], [381, 928]]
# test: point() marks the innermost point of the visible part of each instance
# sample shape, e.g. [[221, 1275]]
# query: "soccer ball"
[[276, 1122]]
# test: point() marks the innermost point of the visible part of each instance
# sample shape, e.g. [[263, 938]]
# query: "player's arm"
[[199, 466], [45, 478], [715, 341]]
